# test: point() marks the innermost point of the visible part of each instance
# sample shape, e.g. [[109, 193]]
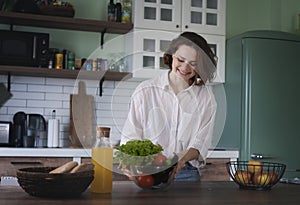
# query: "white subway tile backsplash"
[[28, 80], [103, 106], [102, 99], [3, 78], [119, 107], [104, 113], [6, 118], [43, 95], [44, 88], [45, 104], [3, 110], [66, 120], [109, 84], [16, 103], [59, 112], [60, 81], [18, 87], [69, 89], [66, 104], [120, 100], [14, 110], [28, 95], [106, 121], [112, 114], [57, 96]]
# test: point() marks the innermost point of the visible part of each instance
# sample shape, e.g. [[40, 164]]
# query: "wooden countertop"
[[125, 192]]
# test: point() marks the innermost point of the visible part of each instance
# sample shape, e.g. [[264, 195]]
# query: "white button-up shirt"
[[176, 122]]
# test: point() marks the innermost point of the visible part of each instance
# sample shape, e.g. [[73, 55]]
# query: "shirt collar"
[[165, 81]]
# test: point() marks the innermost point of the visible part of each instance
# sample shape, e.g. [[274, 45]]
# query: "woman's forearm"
[[191, 154]]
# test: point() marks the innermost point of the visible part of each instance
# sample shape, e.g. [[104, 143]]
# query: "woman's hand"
[[191, 154], [179, 166], [126, 172]]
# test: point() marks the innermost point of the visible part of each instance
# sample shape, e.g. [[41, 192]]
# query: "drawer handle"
[[261, 156], [26, 163]]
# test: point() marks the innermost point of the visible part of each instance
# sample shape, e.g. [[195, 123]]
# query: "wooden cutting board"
[[82, 119]]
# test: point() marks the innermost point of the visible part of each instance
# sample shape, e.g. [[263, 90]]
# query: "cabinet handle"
[[261, 156], [34, 47], [186, 26], [177, 26], [26, 163]]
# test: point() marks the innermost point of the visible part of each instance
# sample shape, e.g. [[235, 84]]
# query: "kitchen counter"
[[77, 153], [125, 192]]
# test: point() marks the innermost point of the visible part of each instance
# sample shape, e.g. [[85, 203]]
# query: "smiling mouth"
[[183, 73]]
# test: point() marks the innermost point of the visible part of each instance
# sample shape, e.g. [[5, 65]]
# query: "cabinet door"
[[149, 47], [217, 44], [205, 16], [158, 14]]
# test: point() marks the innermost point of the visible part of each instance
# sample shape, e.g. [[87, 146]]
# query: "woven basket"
[[37, 181]]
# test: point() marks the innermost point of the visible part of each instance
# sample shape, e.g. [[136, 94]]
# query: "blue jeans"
[[188, 173]]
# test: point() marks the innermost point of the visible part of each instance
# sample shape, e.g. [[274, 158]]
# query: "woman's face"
[[185, 62]]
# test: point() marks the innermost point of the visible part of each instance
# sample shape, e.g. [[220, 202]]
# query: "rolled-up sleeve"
[[204, 136]]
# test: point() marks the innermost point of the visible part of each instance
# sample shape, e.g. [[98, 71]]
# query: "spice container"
[[126, 12], [102, 158], [71, 61], [59, 60]]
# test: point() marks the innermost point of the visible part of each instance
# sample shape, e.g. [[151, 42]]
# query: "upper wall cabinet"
[[150, 45], [201, 16], [157, 22]]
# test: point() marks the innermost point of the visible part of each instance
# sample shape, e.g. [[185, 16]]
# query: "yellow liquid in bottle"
[[102, 158]]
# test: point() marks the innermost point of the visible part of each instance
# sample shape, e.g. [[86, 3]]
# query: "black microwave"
[[24, 48]]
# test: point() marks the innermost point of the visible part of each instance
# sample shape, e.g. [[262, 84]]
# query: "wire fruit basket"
[[255, 175]]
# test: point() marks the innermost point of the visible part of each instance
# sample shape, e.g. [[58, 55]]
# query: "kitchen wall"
[[245, 15], [42, 95]]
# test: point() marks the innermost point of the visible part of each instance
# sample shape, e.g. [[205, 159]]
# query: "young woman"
[[177, 109]]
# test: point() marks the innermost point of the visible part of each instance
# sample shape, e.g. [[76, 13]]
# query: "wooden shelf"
[[72, 74], [66, 23]]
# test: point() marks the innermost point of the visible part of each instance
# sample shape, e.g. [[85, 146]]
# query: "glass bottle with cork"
[[111, 11], [102, 158], [118, 11]]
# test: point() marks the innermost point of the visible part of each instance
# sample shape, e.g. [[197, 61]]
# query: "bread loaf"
[[67, 167], [83, 167]]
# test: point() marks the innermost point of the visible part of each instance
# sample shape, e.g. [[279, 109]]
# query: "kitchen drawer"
[[9, 165], [215, 170]]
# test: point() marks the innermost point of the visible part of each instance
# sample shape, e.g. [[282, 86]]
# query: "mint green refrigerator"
[[263, 97]]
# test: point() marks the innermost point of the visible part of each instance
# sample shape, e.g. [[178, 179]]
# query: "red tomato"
[[159, 159], [145, 181]]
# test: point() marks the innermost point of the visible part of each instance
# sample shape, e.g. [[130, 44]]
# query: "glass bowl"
[[152, 177], [149, 172]]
